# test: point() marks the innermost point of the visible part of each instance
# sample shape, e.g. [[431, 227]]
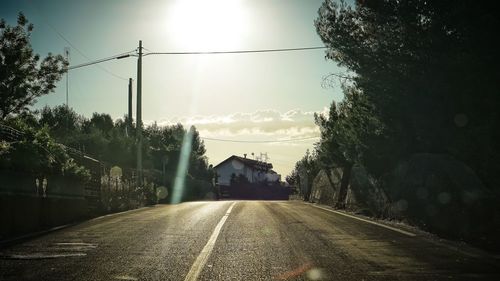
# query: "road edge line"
[[367, 221], [201, 260]]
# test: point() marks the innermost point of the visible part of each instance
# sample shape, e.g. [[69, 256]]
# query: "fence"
[[29, 201]]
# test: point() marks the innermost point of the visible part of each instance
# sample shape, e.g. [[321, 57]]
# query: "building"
[[254, 171]]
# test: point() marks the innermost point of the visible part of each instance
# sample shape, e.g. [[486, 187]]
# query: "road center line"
[[202, 258], [367, 221]]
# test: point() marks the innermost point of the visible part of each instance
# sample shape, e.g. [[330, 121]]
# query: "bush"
[[37, 153]]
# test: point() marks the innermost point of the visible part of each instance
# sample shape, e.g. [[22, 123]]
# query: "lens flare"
[[182, 167]]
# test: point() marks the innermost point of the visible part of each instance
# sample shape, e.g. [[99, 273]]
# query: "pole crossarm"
[[120, 56]]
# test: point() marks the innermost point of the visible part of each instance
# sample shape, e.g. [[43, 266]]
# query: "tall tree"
[[429, 68], [64, 123], [23, 77]]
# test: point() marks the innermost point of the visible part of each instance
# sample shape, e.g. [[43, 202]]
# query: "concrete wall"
[[325, 187], [363, 193], [26, 207], [445, 196], [432, 191], [21, 214]]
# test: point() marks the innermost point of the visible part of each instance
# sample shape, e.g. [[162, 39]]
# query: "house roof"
[[258, 165]]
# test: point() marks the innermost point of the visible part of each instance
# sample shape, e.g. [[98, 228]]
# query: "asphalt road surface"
[[241, 240]]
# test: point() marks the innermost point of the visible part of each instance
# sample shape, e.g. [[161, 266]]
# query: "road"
[[240, 240]]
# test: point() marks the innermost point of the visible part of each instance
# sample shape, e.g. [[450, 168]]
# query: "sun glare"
[[206, 24]]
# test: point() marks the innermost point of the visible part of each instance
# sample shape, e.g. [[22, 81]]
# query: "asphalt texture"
[[255, 240]]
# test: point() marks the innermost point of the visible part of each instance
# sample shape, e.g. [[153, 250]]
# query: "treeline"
[[100, 137], [422, 77]]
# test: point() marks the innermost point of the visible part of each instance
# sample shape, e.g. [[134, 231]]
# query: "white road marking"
[[367, 221], [53, 251], [39, 256], [202, 258]]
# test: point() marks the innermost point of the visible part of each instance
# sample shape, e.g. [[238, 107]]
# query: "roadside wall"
[[363, 194], [432, 191], [446, 197], [29, 203], [325, 186], [26, 207]]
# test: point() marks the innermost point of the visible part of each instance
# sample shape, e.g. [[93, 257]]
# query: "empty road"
[[240, 240]]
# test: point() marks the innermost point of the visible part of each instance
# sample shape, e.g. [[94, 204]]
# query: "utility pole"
[[66, 52], [139, 116], [130, 103]]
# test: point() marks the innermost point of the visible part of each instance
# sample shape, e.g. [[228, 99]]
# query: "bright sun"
[[206, 24]]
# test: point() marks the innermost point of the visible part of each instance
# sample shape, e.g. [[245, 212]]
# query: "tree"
[[100, 121], [429, 71], [304, 172], [165, 146], [37, 154], [198, 162], [64, 124], [23, 77]]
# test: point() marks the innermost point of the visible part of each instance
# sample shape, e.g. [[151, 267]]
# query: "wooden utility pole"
[[139, 116], [66, 52], [130, 118]]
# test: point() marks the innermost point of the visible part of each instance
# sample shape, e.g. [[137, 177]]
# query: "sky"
[[242, 97]]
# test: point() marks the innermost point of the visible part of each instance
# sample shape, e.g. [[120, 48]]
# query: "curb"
[[18, 239]]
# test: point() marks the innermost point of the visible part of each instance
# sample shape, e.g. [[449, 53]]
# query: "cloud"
[[268, 123]]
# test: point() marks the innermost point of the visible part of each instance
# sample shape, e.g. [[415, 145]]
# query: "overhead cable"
[[127, 54], [71, 44], [236, 51], [261, 141]]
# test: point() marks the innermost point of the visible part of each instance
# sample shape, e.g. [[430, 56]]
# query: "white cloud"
[[268, 123], [260, 125]]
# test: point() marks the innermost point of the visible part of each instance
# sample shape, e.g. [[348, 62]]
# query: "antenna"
[[264, 157]]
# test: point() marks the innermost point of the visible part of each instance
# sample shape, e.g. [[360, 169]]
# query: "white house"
[[255, 171]]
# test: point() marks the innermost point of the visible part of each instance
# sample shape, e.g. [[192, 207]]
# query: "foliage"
[[165, 146], [37, 153], [63, 123], [425, 80], [23, 77], [73, 170], [304, 172], [111, 142], [349, 132]]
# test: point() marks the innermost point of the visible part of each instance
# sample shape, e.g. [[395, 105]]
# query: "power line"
[[237, 51], [127, 54], [71, 44], [263, 141]]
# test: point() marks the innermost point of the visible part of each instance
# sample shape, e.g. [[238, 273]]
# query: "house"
[[254, 171]]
